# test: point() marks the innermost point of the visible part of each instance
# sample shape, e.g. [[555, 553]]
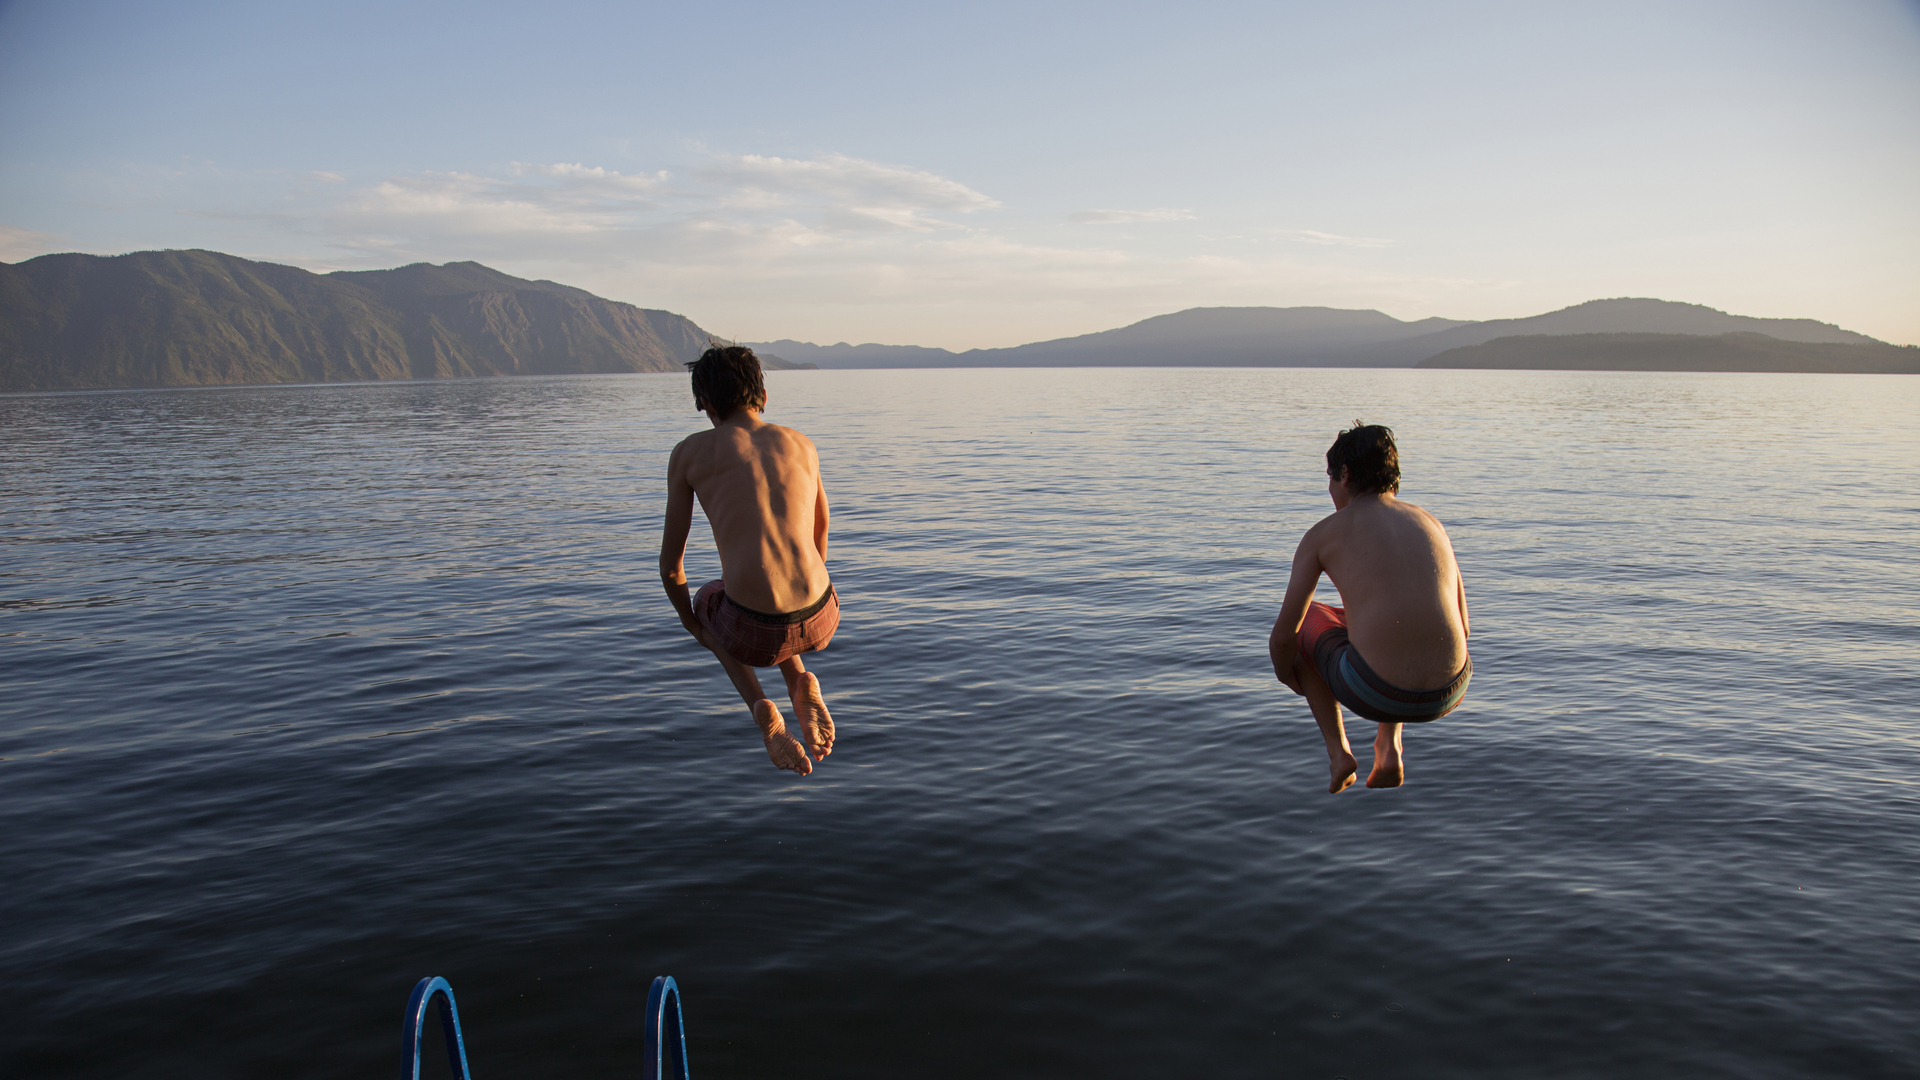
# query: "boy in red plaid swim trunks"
[[759, 484], [1405, 621]]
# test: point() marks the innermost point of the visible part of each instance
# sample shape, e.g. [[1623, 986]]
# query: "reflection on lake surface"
[[309, 692]]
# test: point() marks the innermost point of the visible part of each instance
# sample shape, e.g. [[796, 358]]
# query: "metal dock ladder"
[[664, 1049]]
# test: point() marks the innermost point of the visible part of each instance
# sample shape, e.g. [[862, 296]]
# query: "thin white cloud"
[[763, 246], [1115, 217], [883, 219], [593, 182], [440, 203], [842, 180], [17, 244], [595, 214], [569, 201], [1309, 236]]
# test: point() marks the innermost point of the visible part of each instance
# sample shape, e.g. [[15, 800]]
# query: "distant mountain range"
[[1318, 337], [1680, 352], [201, 318]]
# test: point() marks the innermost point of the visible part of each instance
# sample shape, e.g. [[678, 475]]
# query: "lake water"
[[308, 692]]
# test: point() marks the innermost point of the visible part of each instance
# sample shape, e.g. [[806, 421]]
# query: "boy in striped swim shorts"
[[759, 484], [1397, 652]]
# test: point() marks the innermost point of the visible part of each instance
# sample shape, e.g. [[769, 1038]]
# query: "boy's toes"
[[816, 724], [785, 753], [782, 750]]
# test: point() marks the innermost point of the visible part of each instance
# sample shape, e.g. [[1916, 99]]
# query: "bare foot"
[[1345, 767], [1388, 768], [810, 709], [781, 747]]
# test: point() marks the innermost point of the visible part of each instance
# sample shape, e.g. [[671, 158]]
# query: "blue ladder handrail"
[[664, 1046], [664, 1050], [423, 995]]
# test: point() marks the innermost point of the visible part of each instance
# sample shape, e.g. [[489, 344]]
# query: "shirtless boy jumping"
[[1406, 611], [759, 484]]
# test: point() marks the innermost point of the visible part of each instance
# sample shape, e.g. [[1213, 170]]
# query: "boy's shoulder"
[[1359, 517], [692, 443], [1418, 513], [783, 442], [725, 443], [783, 432], [1338, 521]]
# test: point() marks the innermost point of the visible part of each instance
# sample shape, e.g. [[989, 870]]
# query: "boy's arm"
[[1459, 580], [820, 516], [673, 544], [1284, 644]]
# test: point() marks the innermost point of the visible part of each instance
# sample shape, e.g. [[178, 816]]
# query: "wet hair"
[[727, 377], [1365, 454]]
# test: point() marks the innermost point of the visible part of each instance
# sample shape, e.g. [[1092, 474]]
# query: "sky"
[[994, 173]]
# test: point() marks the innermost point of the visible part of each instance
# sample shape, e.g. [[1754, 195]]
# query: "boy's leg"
[[1389, 769], [809, 708], [1326, 713], [781, 747]]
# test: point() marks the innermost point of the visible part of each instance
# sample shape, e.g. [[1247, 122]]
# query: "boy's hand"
[[1284, 649], [1291, 678], [675, 582]]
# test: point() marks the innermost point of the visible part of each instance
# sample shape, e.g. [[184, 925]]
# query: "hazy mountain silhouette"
[[844, 355], [201, 318], [1625, 316], [1317, 336], [1223, 337], [1680, 352], [1208, 337]]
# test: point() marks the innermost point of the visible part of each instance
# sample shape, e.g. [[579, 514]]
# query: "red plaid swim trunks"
[[758, 639]]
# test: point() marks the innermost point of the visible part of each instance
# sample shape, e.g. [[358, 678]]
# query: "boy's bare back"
[[759, 485], [1394, 566]]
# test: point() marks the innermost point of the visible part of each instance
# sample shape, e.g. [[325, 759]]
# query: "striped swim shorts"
[[1323, 636]]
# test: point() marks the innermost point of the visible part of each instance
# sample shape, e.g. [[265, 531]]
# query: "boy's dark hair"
[[1366, 454], [727, 377]]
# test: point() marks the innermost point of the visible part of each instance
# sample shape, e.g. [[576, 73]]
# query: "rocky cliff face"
[[201, 318], [533, 332]]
